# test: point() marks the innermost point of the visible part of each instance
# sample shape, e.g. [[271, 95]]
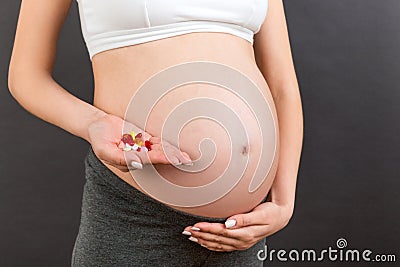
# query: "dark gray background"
[[348, 65]]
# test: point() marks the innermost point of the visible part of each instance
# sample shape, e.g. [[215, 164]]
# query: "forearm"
[[274, 58], [45, 98], [290, 118]]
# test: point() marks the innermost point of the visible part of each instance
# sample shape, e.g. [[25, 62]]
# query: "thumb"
[[133, 161]]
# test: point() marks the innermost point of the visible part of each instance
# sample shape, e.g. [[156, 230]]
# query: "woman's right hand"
[[105, 135]]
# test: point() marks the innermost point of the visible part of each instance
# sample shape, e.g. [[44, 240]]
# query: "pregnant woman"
[[132, 43]]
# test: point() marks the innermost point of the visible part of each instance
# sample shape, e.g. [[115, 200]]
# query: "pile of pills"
[[134, 142]]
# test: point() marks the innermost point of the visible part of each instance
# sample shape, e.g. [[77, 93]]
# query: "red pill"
[[147, 144], [128, 139]]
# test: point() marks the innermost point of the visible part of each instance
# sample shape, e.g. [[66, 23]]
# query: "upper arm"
[[272, 50], [38, 28]]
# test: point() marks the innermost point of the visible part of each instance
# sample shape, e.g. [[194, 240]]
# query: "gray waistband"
[[93, 164]]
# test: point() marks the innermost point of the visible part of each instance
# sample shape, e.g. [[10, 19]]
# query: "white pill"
[[127, 147], [135, 146]]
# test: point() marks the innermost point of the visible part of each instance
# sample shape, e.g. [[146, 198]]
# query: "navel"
[[245, 150]]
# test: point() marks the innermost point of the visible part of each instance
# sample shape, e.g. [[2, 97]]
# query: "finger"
[[215, 229], [156, 147], [174, 160], [256, 217], [134, 162], [218, 250], [216, 239], [245, 234], [155, 157], [155, 140], [184, 158], [173, 151], [216, 247], [172, 155]]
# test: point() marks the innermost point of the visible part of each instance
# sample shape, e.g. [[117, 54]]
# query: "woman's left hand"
[[249, 228]]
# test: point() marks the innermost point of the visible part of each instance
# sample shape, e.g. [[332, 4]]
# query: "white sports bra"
[[109, 24]]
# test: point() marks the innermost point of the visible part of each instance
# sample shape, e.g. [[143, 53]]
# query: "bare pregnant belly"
[[204, 93]]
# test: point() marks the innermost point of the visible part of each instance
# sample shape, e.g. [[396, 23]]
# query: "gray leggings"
[[121, 226]]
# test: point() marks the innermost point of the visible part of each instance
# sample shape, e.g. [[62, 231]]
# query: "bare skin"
[[119, 72]]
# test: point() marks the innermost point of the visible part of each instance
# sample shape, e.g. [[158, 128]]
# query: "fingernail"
[[195, 228], [194, 239], [136, 165], [186, 156], [188, 164], [203, 245], [186, 233], [176, 161], [230, 223]]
